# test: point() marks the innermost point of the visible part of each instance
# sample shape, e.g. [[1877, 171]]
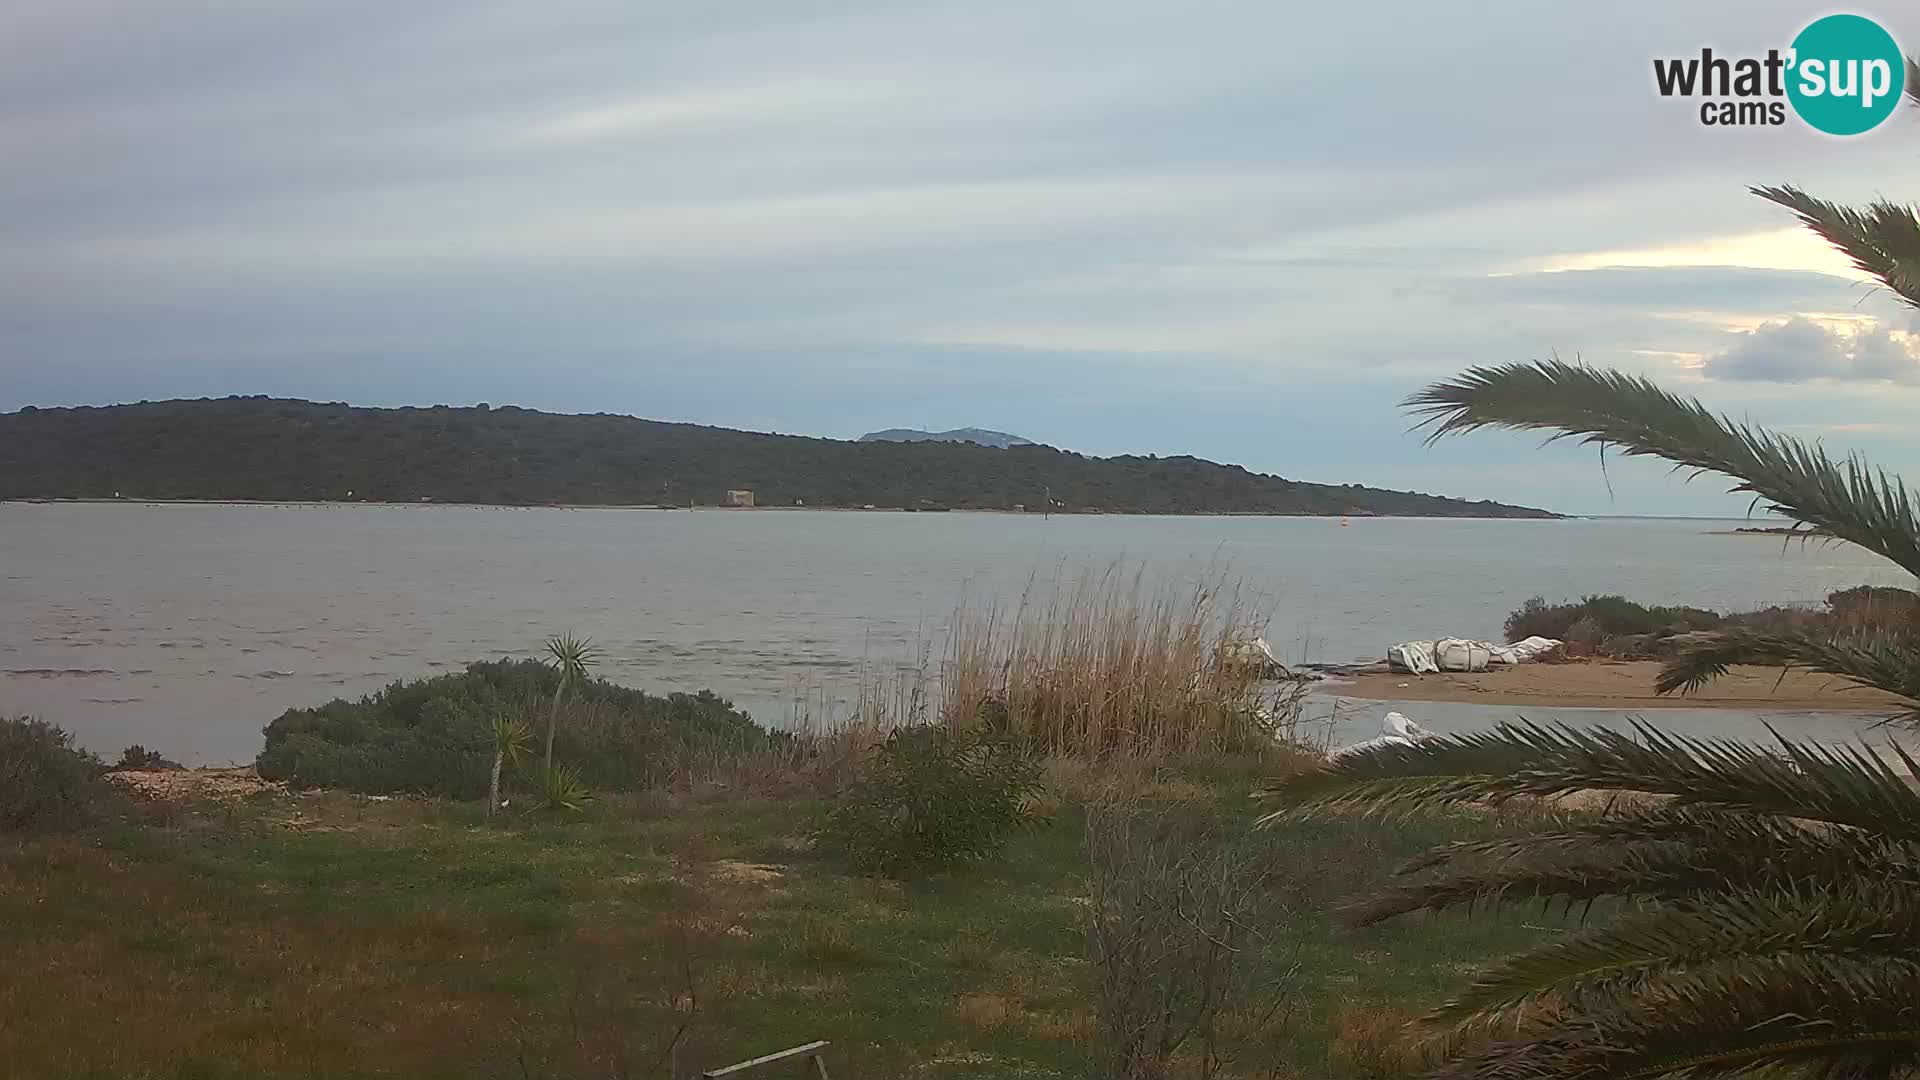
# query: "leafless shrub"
[[1187, 923]]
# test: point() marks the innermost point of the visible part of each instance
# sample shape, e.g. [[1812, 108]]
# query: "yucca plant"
[[1769, 897], [562, 789], [511, 734], [570, 657]]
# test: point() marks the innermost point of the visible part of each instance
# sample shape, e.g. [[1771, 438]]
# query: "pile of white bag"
[[1460, 654]]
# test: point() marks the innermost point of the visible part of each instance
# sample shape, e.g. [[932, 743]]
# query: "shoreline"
[[1057, 512], [1617, 684]]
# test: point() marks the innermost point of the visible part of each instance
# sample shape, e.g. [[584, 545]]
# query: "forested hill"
[[271, 449]]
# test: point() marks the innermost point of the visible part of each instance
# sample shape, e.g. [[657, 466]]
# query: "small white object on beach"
[[1396, 729]]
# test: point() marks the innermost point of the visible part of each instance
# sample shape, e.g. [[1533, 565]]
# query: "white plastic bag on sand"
[[1395, 730], [1534, 646], [1458, 654], [1415, 657]]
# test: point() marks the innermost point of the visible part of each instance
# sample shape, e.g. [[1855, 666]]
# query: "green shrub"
[[1609, 616], [44, 781], [435, 736], [139, 757], [1537, 618], [931, 797]]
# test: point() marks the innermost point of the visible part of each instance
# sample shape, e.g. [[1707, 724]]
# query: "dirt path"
[[1617, 685]]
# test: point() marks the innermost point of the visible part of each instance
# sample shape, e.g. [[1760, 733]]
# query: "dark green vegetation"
[[261, 448], [1774, 893], [44, 781], [931, 797], [326, 935], [437, 736], [1617, 627]]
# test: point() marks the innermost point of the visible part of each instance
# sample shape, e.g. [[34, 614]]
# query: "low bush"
[[1189, 915], [44, 781], [931, 797], [435, 736], [1874, 608], [137, 757], [1609, 616]]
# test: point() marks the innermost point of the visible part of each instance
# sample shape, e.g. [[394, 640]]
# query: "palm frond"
[[511, 736], [1882, 661], [1803, 1014], [1913, 79], [1660, 872], [571, 655], [1858, 918], [1837, 785], [1848, 499], [1883, 239], [1795, 853]]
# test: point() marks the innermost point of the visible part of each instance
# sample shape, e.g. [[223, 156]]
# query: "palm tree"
[[1770, 897], [570, 657], [510, 737]]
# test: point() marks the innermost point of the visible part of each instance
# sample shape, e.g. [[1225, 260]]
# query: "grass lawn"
[[333, 936]]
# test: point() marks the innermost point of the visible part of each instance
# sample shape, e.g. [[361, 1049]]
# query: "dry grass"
[[1373, 1042], [1104, 665], [1091, 671]]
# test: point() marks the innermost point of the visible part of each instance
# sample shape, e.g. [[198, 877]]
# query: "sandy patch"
[[1620, 684]]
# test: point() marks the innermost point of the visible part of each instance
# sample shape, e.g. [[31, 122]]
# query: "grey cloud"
[[1801, 350], [1204, 212]]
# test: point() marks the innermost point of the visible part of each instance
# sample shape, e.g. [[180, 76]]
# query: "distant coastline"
[[260, 449], [1057, 512]]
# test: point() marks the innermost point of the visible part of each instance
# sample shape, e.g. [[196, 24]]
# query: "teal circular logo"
[[1846, 74]]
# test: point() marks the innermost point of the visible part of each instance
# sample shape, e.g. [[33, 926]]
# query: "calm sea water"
[[189, 627]]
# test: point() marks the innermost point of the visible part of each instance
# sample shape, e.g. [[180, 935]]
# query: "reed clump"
[[1104, 664]]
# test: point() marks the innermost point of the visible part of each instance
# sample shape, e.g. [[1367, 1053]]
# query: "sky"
[[1239, 230]]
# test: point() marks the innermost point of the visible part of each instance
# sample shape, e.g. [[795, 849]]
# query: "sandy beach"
[[1619, 684]]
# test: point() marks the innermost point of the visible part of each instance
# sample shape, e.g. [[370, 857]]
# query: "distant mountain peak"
[[981, 436]]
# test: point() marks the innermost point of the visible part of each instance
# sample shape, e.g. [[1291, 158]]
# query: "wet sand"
[[1624, 684]]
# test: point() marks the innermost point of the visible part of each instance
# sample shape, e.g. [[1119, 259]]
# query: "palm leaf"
[[511, 735], [1799, 1014], [1863, 919], [1882, 661], [571, 656], [1790, 859], [1850, 500], [1840, 786], [562, 789], [1883, 239]]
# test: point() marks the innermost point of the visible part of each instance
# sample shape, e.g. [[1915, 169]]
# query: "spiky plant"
[[511, 734], [570, 657], [1769, 897], [562, 789]]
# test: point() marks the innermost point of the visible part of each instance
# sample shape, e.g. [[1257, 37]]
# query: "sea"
[[188, 627]]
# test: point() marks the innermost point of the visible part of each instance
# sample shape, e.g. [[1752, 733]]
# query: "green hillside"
[[272, 449]]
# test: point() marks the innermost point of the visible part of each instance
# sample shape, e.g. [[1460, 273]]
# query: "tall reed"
[[1103, 663]]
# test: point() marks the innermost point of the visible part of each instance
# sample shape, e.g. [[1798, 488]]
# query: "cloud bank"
[[1219, 228]]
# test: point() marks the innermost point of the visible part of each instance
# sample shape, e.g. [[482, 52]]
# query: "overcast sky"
[[1242, 230]]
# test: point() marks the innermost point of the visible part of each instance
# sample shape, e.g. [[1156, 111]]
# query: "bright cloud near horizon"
[[1230, 229]]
